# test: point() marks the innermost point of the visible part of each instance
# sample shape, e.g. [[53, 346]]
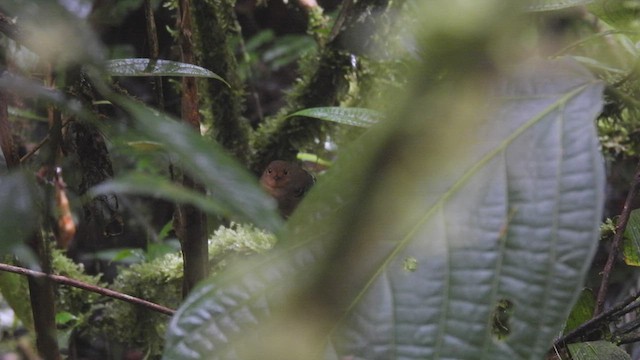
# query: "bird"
[[287, 183]]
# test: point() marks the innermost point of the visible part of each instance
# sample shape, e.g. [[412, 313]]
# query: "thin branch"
[[88, 287], [596, 321], [617, 241]]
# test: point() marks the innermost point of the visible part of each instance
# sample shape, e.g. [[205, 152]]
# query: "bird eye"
[[286, 172], [269, 170]]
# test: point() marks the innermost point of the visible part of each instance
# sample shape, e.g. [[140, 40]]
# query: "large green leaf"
[[233, 188], [454, 232]]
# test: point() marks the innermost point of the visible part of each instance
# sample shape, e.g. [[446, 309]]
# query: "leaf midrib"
[[453, 190]]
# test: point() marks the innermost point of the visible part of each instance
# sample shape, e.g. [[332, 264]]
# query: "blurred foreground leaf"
[[233, 190], [619, 14], [548, 5], [161, 188], [17, 209], [54, 32], [500, 210]]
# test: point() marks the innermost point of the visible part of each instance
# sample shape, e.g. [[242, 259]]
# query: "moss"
[[342, 73], [216, 25], [160, 281]]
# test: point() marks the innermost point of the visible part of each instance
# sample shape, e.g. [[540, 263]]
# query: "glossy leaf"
[[347, 116], [498, 217], [155, 186], [142, 67], [233, 189], [597, 350]]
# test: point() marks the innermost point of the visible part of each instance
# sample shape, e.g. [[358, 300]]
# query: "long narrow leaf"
[[348, 116], [144, 67], [158, 187], [228, 183]]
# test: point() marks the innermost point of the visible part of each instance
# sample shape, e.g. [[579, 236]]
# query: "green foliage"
[[216, 28], [229, 183], [597, 350], [70, 299], [160, 281], [461, 226], [14, 291], [631, 244], [582, 311], [505, 215], [546, 5]]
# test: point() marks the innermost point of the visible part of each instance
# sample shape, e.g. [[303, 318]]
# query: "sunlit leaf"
[[496, 213], [142, 67], [348, 116], [313, 158], [65, 317]]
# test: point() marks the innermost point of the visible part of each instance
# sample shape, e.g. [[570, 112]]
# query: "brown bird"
[[287, 183]]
